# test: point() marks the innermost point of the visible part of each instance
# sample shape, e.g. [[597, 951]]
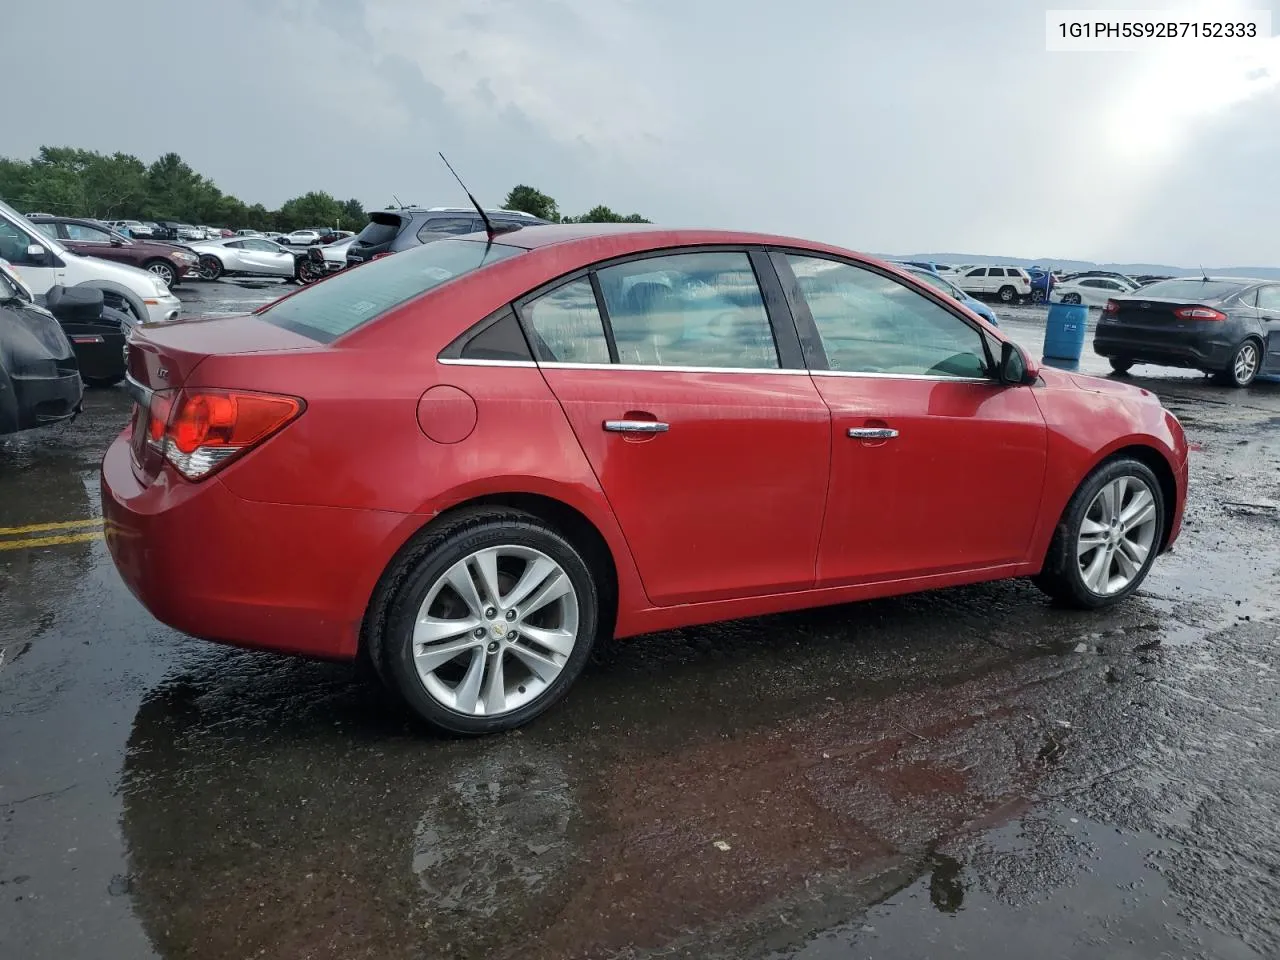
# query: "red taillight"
[[204, 428], [1199, 313], [1111, 309]]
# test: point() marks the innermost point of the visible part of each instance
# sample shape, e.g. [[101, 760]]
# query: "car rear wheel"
[[1108, 537], [307, 271], [491, 619], [1244, 366], [1007, 294], [164, 270], [1121, 365], [210, 267]]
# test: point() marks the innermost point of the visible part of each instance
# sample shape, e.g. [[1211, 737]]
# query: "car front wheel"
[[164, 271], [492, 618], [1108, 537]]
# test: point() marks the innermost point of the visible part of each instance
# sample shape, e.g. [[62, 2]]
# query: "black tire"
[[164, 270], [1121, 365], [1007, 294], [210, 267], [1061, 578], [1238, 373], [1037, 296], [1072, 298], [394, 611], [102, 381]]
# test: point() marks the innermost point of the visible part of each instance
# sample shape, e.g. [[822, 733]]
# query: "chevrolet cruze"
[[472, 461]]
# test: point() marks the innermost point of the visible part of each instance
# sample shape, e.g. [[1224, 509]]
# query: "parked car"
[[1091, 291], [1120, 278], [390, 231], [333, 236], [1228, 327], [168, 262], [39, 380], [471, 461], [43, 262], [301, 238], [246, 257], [1042, 284], [248, 233], [951, 290], [1009, 284], [136, 228]]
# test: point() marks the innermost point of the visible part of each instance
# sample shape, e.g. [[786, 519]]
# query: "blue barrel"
[[1065, 331]]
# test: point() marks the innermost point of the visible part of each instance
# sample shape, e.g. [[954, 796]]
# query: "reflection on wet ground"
[[969, 772]]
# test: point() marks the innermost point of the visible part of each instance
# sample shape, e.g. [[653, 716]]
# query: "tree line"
[[84, 183]]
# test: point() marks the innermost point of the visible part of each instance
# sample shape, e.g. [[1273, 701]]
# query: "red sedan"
[[473, 460]]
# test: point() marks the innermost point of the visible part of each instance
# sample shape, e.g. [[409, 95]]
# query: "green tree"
[[314, 209], [603, 214], [532, 201], [353, 215]]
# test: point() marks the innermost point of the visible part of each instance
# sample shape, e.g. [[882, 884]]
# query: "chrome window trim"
[[569, 365], [656, 368], [900, 376], [468, 362]]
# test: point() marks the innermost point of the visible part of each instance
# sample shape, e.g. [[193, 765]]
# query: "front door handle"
[[872, 433], [636, 426]]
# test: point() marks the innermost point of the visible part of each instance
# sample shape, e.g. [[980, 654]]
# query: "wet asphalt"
[[970, 772]]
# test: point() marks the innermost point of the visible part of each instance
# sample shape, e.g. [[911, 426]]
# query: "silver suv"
[[390, 231]]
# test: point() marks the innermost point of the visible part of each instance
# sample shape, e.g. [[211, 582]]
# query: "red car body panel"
[[758, 503]]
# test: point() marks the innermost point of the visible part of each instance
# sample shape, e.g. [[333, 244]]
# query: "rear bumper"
[[1203, 350], [45, 400], [294, 579]]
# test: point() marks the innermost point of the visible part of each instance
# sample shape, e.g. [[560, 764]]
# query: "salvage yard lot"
[[970, 768]]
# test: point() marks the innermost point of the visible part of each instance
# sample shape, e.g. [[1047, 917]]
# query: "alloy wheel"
[[1117, 535], [1245, 366], [495, 630], [164, 272]]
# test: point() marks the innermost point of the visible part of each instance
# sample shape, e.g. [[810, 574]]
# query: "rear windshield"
[[352, 298], [1192, 289], [381, 228]]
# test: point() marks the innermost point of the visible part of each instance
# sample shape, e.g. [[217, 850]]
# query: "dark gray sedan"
[[1226, 326]]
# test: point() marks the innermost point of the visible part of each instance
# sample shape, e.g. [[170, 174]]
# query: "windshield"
[[1193, 288], [352, 298]]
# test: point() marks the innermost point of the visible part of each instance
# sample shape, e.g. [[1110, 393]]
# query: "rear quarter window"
[[355, 296], [381, 228]]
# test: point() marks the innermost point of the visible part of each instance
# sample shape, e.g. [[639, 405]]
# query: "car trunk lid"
[[161, 358], [1142, 311]]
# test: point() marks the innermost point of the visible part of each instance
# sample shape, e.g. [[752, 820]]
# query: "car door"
[[935, 467], [1269, 315], [265, 257], [705, 431], [974, 281], [94, 242]]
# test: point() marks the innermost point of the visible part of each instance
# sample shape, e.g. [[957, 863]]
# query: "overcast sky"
[[930, 125]]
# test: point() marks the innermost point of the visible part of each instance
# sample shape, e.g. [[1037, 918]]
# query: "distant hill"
[[1068, 266]]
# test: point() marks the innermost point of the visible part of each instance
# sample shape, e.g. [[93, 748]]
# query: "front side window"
[[689, 310], [980, 272], [262, 246], [566, 325], [870, 323], [354, 297], [1269, 298]]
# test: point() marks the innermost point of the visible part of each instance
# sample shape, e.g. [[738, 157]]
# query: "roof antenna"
[[1203, 276], [488, 224], [397, 201]]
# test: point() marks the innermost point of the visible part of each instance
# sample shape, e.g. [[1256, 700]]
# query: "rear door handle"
[[636, 426], [872, 433]]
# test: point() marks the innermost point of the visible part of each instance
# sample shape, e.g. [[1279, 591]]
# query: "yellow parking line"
[[50, 541], [42, 527]]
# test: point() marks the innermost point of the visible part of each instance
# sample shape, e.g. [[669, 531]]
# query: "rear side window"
[[689, 310], [381, 228], [448, 226], [355, 296], [995, 272], [566, 324]]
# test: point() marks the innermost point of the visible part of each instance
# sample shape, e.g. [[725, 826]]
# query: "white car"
[[301, 238], [245, 256], [1091, 291], [335, 254], [247, 233], [1009, 284], [42, 262]]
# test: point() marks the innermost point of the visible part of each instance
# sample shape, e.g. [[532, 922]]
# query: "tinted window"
[[353, 297], [447, 226], [980, 272], [1091, 282], [996, 272], [381, 228], [501, 340], [566, 324], [689, 310], [236, 245], [1193, 289], [870, 323], [1269, 298]]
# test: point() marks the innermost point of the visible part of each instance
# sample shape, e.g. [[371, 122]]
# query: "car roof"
[[628, 237]]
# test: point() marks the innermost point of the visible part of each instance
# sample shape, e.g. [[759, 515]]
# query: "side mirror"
[[117, 242], [1015, 367], [36, 252]]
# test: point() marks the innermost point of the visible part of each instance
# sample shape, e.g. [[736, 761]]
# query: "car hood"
[[135, 278], [1069, 380]]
